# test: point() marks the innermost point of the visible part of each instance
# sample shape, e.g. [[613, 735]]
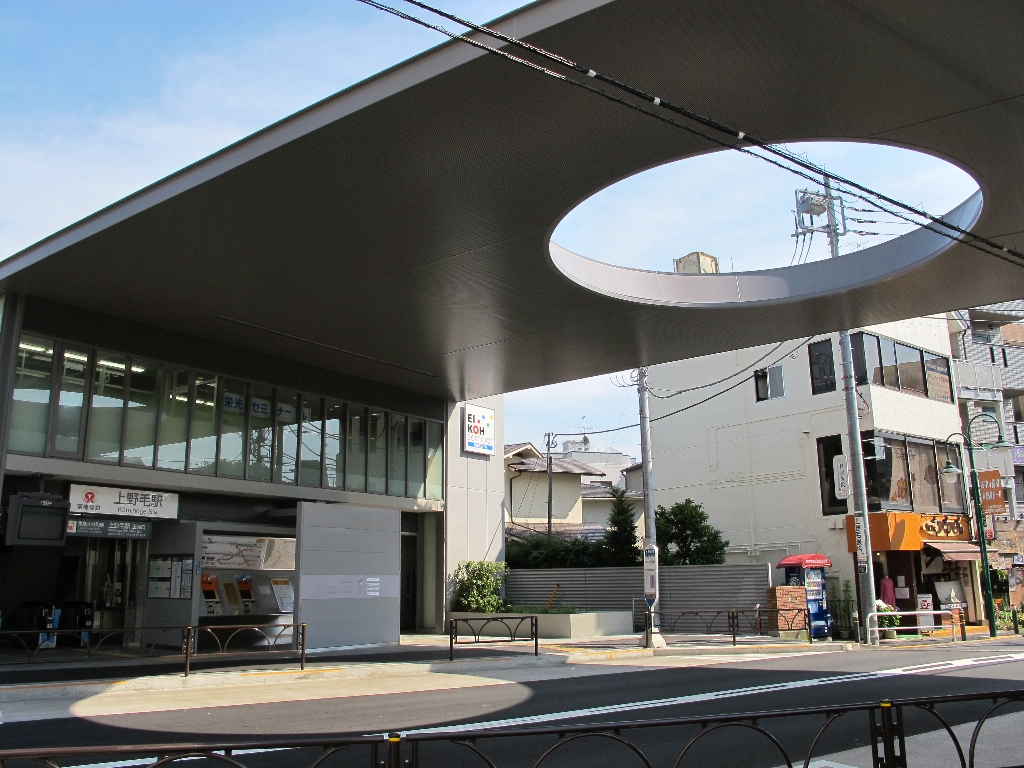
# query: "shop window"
[[924, 477], [398, 455], [890, 370], [769, 383], [310, 465], [823, 370], [141, 414], [940, 383], [106, 412], [911, 368], [202, 450], [355, 449], [172, 430], [867, 360], [377, 453], [828, 448], [417, 458], [73, 373], [231, 458], [286, 436], [261, 432], [435, 460], [30, 409], [952, 494], [894, 475], [334, 457]]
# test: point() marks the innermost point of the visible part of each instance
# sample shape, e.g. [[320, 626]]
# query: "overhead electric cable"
[[967, 237], [771, 351]]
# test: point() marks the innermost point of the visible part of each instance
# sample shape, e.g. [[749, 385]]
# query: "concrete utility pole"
[[548, 439], [652, 636], [865, 571]]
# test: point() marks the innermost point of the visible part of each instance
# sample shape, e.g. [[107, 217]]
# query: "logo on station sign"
[[478, 430]]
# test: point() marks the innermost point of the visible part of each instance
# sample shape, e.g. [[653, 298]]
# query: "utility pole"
[[652, 636], [548, 440], [865, 571]]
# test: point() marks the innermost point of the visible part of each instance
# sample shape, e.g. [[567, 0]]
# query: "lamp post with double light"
[[950, 474]]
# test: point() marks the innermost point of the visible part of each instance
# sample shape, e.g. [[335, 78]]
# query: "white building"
[[759, 457]]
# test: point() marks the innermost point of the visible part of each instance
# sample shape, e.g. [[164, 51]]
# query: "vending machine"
[[808, 571]]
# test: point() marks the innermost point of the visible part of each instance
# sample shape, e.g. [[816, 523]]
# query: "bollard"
[[1016, 622], [188, 649], [302, 639], [394, 750]]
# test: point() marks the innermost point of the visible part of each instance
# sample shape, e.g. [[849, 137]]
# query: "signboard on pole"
[[990, 487], [862, 544], [841, 473], [478, 430], [651, 576]]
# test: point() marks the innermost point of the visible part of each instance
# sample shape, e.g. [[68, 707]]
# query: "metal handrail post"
[[451, 639], [734, 619], [188, 650], [535, 622], [807, 618], [394, 750], [302, 650]]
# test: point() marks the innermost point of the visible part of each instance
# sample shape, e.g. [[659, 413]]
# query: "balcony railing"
[[977, 381]]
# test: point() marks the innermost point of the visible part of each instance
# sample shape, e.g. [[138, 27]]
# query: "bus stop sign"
[[651, 575]]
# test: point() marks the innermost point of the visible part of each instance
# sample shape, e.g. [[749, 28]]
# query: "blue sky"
[[99, 99]]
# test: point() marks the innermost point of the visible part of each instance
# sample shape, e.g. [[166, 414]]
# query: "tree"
[[620, 545], [686, 538]]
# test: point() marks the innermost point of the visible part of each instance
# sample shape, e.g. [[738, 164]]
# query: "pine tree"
[[686, 538], [620, 544]]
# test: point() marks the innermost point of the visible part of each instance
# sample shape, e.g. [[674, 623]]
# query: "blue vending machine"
[[808, 571]]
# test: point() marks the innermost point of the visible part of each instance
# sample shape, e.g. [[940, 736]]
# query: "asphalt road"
[[791, 681]]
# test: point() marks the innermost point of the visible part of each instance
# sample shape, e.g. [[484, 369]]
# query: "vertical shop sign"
[[841, 473], [990, 486], [862, 544]]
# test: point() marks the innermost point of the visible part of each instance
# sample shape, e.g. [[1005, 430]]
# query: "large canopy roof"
[[400, 230]]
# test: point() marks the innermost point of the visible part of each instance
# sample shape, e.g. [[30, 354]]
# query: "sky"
[[99, 99]]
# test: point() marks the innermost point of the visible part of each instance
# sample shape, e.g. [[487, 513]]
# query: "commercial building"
[[760, 456]]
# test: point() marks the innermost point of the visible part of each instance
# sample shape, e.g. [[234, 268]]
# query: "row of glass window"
[[884, 362], [124, 410], [901, 473]]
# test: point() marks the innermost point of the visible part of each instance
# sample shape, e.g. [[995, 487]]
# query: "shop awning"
[[955, 550], [805, 561]]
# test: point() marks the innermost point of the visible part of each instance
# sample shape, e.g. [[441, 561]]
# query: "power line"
[[966, 237], [723, 380]]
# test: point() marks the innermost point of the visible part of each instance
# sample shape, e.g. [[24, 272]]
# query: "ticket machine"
[[208, 584], [808, 571], [247, 595]]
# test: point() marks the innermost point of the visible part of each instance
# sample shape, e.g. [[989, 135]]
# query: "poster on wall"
[[284, 594], [123, 502], [233, 551], [478, 430]]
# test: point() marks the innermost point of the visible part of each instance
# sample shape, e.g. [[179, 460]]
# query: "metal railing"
[[885, 732], [955, 617], [480, 626], [736, 621], [147, 641]]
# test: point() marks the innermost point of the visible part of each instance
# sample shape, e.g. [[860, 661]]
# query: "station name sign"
[[123, 502], [478, 430]]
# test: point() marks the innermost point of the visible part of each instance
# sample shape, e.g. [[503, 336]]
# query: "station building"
[[213, 485]]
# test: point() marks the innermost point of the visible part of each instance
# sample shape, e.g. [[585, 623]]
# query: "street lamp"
[[950, 474]]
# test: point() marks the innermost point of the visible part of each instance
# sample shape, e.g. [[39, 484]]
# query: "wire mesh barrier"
[[492, 629], [887, 732], [735, 622], [149, 642]]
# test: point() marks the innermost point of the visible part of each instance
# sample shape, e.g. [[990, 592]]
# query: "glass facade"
[[823, 369], [884, 362], [115, 409]]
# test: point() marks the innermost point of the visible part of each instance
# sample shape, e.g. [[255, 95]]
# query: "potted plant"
[[887, 624]]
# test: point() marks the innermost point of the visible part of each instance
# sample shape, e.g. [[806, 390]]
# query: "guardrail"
[[955, 617], [32, 641], [757, 620], [886, 734], [477, 624]]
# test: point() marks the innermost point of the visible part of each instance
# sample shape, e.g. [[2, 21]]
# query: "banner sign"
[[651, 575], [841, 473], [123, 502], [990, 486], [110, 529], [478, 430]]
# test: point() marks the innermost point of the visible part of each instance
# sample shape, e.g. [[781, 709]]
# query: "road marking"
[[633, 706]]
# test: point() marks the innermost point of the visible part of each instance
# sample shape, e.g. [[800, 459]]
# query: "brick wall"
[[792, 604]]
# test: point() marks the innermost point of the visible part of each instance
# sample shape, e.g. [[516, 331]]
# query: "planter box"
[[555, 625]]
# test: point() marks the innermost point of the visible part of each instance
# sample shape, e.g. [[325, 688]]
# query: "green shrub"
[[542, 551], [476, 586]]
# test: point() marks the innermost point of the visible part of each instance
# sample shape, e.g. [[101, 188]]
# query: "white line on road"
[[717, 695]]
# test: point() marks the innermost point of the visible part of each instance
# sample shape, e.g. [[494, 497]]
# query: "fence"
[[147, 641], [885, 732], [700, 588], [752, 621]]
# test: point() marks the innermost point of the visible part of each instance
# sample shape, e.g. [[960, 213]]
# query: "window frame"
[[811, 363]]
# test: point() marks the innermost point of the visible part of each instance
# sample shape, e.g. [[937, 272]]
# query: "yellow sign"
[[944, 527], [990, 486]]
